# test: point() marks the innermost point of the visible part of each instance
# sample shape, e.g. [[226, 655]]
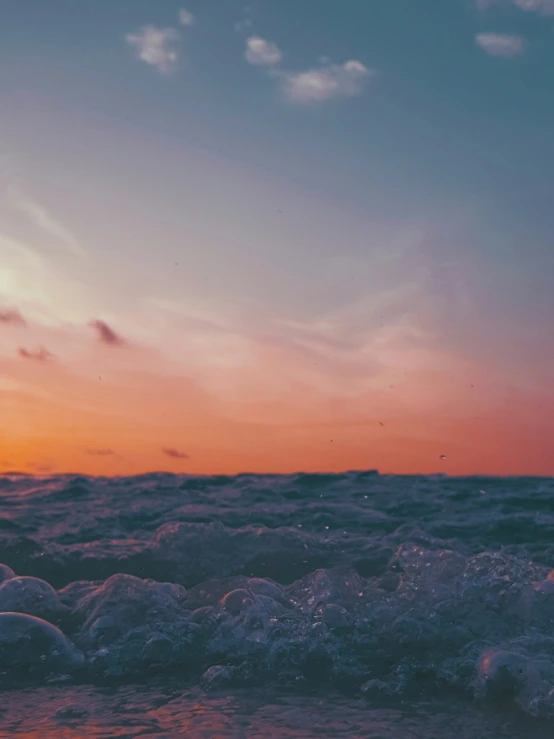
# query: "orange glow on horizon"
[[135, 422]]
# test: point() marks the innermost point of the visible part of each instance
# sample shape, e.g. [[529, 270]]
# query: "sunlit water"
[[135, 711], [309, 605]]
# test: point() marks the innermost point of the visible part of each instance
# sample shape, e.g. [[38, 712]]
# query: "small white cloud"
[[500, 44], [156, 46], [330, 81], [186, 17], [262, 52]]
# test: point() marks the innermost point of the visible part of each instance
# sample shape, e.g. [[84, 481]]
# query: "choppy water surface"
[[298, 606]]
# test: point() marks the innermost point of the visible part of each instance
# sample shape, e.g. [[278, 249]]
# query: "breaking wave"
[[381, 587]]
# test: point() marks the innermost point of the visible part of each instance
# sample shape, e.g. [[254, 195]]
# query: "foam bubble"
[[29, 595], [30, 645], [6, 573]]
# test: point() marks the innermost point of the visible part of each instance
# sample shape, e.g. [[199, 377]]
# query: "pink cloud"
[[39, 355], [106, 334], [12, 316]]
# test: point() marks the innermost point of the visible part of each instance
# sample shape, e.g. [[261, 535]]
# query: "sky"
[[277, 236]]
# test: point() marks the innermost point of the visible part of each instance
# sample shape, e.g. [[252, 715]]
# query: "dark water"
[[298, 606]]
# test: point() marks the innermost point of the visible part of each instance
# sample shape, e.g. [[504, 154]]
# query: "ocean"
[[348, 605]]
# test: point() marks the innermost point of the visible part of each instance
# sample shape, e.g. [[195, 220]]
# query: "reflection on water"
[[101, 713]]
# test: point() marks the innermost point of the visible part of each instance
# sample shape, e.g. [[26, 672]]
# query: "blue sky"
[[309, 174]]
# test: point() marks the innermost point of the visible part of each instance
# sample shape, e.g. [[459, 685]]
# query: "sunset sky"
[[277, 236]]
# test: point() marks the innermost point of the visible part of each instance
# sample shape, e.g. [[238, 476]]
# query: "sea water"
[[357, 605]]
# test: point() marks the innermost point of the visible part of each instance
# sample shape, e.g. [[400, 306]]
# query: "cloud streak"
[[38, 355], [106, 335], [48, 223], [174, 453], [543, 7], [157, 47], [501, 44], [100, 452]]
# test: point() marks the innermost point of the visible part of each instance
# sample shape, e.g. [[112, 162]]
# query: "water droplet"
[[443, 457]]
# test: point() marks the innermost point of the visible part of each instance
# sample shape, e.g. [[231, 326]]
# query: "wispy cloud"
[[106, 335], [100, 452], [12, 316], [174, 453], [500, 44], [544, 7], [262, 52], [157, 47], [186, 17], [42, 468], [45, 294], [38, 355], [243, 26], [47, 222], [327, 82]]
